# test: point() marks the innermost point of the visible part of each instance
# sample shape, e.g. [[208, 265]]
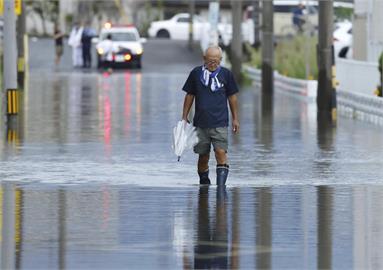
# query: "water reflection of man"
[[211, 250]]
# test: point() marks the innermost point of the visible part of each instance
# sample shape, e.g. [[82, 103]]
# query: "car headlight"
[[139, 51]]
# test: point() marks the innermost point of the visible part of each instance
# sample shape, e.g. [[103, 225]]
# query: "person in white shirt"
[[75, 42], [107, 50]]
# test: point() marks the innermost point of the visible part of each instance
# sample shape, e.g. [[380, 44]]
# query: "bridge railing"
[[362, 106]]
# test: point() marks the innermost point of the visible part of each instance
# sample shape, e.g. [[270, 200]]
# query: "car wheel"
[[163, 34], [138, 64]]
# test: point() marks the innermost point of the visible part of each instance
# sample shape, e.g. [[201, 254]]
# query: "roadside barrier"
[[360, 106], [303, 88], [351, 104]]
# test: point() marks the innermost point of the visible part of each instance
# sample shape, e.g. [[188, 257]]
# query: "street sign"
[[17, 7]]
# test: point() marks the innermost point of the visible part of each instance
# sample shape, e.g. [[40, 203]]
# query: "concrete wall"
[[367, 33], [357, 76]]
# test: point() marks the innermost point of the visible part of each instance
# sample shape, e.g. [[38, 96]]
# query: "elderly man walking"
[[212, 87]]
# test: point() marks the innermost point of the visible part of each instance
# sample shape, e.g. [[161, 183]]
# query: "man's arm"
[[233, 103], [188, 102]]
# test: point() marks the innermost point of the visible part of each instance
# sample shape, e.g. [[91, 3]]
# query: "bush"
[[290, 57], [380, 67]]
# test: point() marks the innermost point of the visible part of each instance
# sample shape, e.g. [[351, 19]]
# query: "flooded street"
[[126, 226], [97, 185]]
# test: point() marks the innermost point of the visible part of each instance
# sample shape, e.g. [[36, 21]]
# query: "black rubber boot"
[[222, 173], [204, 178]]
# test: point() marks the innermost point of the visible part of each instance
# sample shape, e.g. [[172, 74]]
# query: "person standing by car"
[[59, 48], [212, 87], [86, 41], [106, 52], [75, 42]]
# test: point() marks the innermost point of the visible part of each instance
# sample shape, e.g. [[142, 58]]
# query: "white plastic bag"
[[184, 137]]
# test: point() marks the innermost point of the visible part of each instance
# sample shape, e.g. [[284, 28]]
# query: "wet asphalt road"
[[97, 186]]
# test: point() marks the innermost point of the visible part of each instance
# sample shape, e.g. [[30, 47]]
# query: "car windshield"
[[120, 36]]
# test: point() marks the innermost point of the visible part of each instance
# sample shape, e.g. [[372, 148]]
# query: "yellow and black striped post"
[[12, 102]]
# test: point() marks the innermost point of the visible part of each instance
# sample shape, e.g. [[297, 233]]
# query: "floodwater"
[[134, 227], [94, 184]]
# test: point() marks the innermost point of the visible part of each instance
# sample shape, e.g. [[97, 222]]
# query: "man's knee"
[[220, 155], [220, 151]]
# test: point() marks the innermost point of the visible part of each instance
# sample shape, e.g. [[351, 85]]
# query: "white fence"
[[362, 106]]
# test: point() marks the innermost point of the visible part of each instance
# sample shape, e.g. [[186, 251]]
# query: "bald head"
[[213, 50], [212, 57]]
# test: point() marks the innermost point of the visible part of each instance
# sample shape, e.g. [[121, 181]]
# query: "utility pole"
[[256, 11], [10, 59], [326, 96], [191, 13], [267, 47], [20, 47], [236, 41]]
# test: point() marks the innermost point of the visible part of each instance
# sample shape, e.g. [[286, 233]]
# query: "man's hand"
[[186, 120], [233, 103], [235, 125], [188, 102]]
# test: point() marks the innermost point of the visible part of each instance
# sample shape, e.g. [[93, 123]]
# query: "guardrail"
[[356, 105], [360, 106], [306, 89]]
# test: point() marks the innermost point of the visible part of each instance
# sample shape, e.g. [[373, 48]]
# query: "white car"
[[342, 38], [123, 48], [176, 28]]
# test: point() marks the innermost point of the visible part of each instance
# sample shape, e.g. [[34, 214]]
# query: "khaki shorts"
[[207, 136]]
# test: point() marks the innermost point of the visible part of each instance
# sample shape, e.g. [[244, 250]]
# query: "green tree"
[[46, 9]]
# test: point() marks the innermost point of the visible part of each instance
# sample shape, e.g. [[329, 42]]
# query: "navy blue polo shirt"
[[211, 109]]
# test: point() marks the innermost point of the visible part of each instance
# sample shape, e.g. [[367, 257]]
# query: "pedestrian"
[[59, 48], [86, 41], [298, 19], [212, 87], [75, 42], [105, 50]]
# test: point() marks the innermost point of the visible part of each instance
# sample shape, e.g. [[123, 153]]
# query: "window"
[[183, 20], [120, 36]]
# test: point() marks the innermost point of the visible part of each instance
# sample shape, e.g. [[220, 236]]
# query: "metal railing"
[[303, 88], [356, 105]]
